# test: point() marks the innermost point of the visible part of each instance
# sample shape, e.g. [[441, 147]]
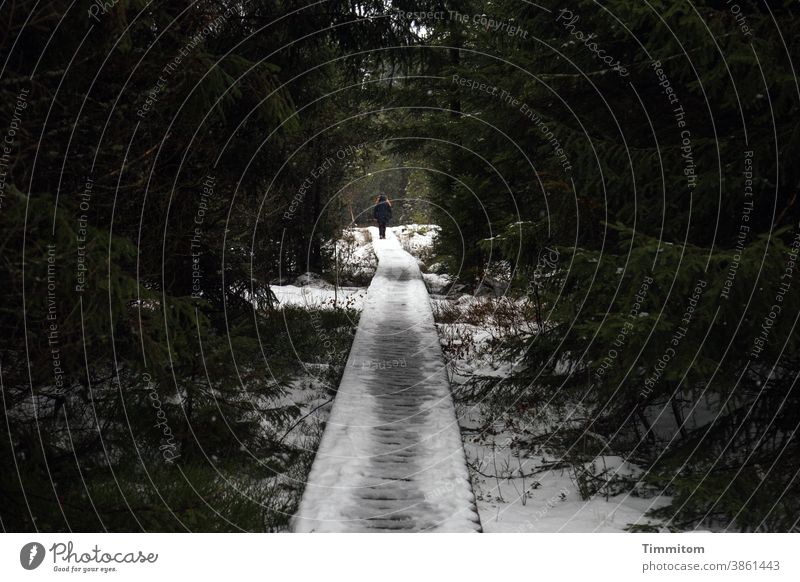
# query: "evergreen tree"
[[642, 199]]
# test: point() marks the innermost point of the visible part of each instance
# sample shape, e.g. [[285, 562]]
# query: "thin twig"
[[299, 420]]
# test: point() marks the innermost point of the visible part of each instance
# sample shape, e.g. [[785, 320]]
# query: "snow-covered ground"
[[515, 491], [417, 239], [391, 457], [353, 257], [354, 260], [521, 493], [319, 296]]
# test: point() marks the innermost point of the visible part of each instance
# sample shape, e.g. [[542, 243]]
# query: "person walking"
[[382, 213]]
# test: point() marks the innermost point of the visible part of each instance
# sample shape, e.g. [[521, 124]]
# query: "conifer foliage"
[[632, 163], [150, 195]]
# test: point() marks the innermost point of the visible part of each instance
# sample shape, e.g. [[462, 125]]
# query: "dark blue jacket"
[[382, 212]]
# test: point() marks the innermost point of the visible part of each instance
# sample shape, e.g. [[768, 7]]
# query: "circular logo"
[[31, 555]]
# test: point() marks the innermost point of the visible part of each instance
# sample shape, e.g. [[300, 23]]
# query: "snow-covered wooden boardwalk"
[[391, 457]]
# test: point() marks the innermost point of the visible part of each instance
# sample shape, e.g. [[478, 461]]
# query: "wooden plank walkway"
[[391, 458]]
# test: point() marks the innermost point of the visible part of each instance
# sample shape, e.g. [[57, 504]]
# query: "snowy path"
[[391, 458]]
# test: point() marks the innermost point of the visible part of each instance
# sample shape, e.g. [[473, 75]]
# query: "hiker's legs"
[[382, 229]]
